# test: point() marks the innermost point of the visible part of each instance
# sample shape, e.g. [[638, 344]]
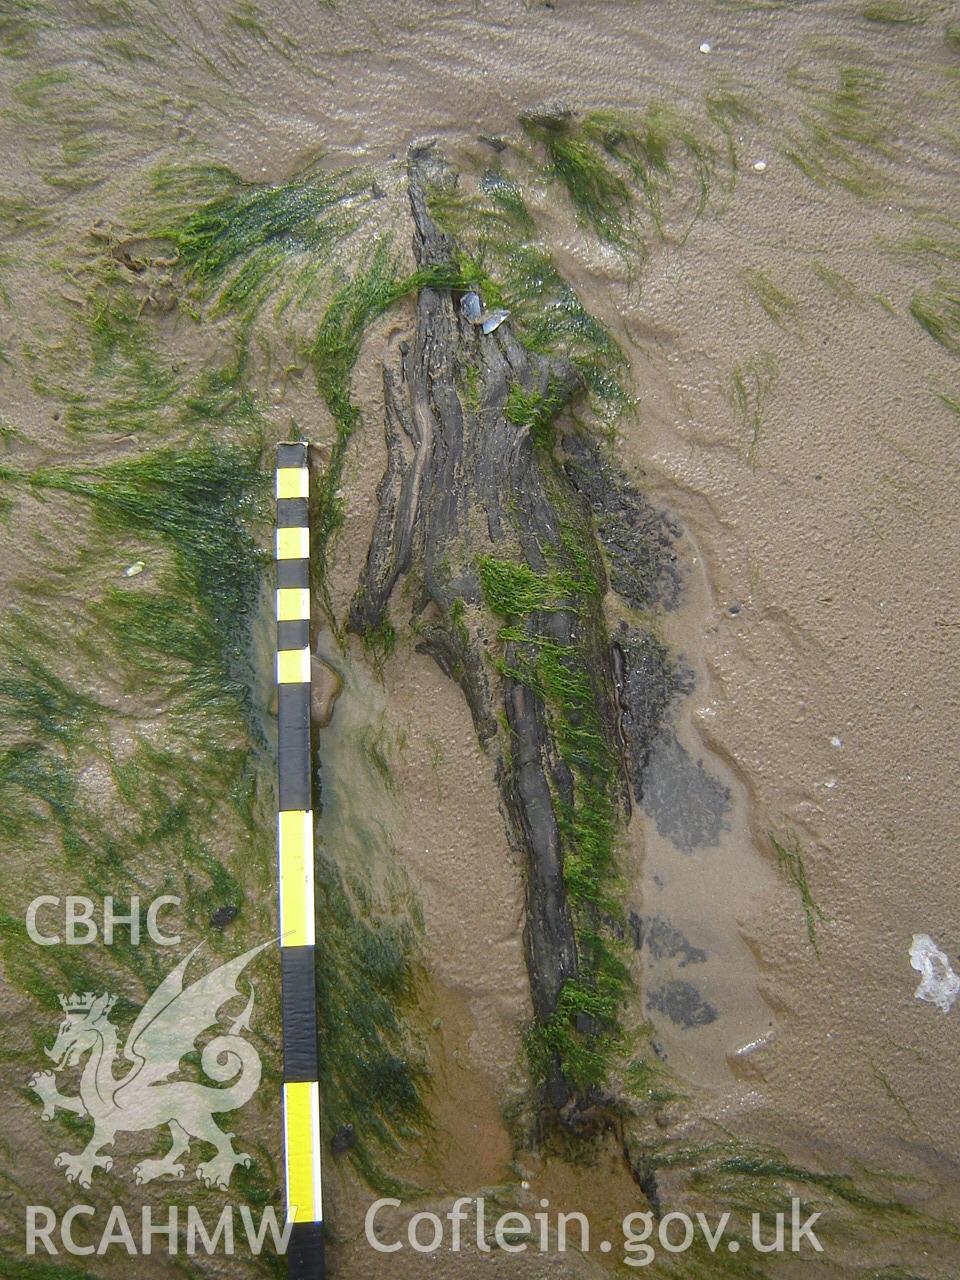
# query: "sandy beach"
[[786, 306]]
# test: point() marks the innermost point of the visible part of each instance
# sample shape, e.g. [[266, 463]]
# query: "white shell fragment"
[[132, 570], [759, 166], [938, 983], [472, 310], [470, 306], [493, 320], [705, 47]]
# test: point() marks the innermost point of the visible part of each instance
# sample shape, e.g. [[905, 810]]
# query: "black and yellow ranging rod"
[[301, 1095]]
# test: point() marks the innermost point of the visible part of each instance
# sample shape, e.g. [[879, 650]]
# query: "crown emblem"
[[83, 1003]]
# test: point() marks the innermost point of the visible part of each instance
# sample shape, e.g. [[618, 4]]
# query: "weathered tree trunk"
[[464, 482]]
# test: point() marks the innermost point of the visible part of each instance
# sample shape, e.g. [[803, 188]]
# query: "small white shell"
[[760, 165], [938, 983], [493, 320], [705, 47], [470, 306]]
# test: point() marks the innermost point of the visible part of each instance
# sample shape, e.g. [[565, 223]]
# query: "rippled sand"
[[806, 439]]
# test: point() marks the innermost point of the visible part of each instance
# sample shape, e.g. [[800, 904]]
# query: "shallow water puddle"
[[472, 1148], [371, 774], [354, 754], [701, 874]]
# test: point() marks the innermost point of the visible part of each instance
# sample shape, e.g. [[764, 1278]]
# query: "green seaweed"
[[843, 134], [179, 635], [513, 590], [891, 1093], [374, 287], [505, 196], [34, 782], [128, 387], [589, 824], [647, 149], [240, 241], [196, 501], [113, 842], [893, 12], [249, 20], [21, 21], [588, 818], [607, 161], [371, 1077], [170, 644], [458, 613], [380, 642], [646, 1078], [535, 411], [729, 110], [839, 284], [377, 750], [925, 245], [791, 865], [751, 1182], [240, 244], [552, 319], [46, 725], [498, 254], [19, 216], [75, 117], [751, 386], [773, 300], [41, 1269], [129, 749], [938, 311], [598, 192], [33, 697]]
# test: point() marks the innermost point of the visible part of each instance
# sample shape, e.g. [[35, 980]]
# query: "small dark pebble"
[[222, 916], [377, 191], [551, 115], [734, 609], [343, 1139]]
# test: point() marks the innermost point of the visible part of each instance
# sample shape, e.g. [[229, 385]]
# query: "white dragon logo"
[[143, 1098]]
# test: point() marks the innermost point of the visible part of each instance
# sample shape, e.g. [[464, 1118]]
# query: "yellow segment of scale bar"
[[293, 666], [293, 544], [295, 858], [293, 482], [301, 1133], [293, 604]]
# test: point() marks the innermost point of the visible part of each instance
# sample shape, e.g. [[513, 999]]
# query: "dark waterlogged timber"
[[487, 505]]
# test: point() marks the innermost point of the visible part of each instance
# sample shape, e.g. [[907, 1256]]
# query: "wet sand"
[[818, 559]]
